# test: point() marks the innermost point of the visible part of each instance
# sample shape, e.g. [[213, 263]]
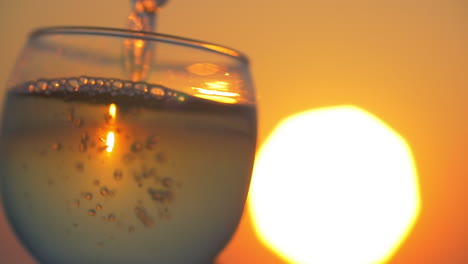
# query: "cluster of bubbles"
[[94, 86], [159, 190]]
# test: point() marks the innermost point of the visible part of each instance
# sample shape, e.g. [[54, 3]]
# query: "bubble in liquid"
[[55, 85], [102, 148], [76, 203], [128, 158], [98, 207], [70, 115], [31, 88], [57, 146], [118, 175], [111, 218], [146, 173], [117, 84], [158, 92], [88, 196], [141, 87], [142, 215], [78, 122], [73, 83], [162, 196], [91, 212], [104, 191], [128, 85], [82, 147], [83, 80], [42, 85], [50, 182], [151, 142], [84, 137], [99, 82], [161, 157], [79, 166], [167, 182], [136, 147], [164, 213]]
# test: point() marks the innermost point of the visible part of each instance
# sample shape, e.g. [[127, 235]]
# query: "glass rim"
[[144, 35]]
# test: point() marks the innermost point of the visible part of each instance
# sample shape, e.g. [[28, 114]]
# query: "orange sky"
[[404, 61]]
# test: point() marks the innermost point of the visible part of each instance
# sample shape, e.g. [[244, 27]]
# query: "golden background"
[[405, 61]]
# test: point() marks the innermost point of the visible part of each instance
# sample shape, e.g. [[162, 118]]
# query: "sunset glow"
[[334, 185]]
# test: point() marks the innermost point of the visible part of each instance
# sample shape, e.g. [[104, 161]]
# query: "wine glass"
[[103, 162]]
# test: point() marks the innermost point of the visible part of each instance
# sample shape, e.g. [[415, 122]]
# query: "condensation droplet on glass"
[[76, 203], [98, 207], [131, 229], [91, 212]]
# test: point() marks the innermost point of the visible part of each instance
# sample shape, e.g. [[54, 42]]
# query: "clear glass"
[[99, 165]]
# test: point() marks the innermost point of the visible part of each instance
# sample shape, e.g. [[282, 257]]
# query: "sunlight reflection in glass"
[[110, 139]]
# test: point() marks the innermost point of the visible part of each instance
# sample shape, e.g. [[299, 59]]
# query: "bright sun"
[[334, 185]]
